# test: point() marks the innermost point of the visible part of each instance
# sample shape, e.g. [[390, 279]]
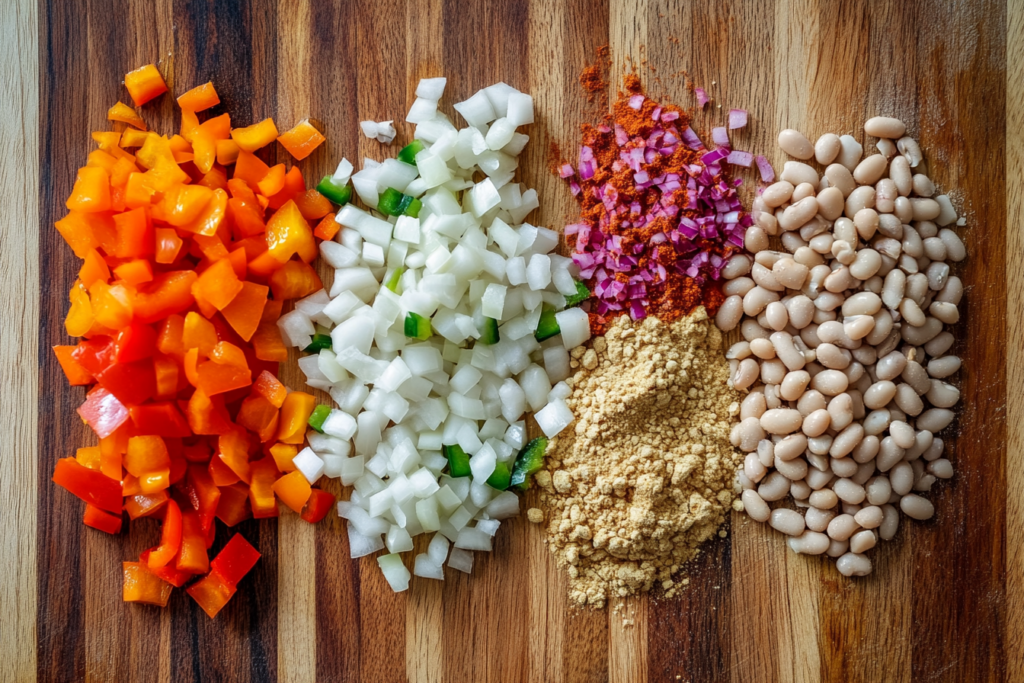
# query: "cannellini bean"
[[729, 313], [738, 351], [955, 249], [925, 483], [878, 490], [899, 171], [781, 421], [877, 421], [736, 266], [924, 209], [940, 368], [941, 468], [842, 527], [755, 239], [903, 210], [916, 336], [755, 506], [937, 275], [945, 311], [766, 452], [753, 468], [833, 357], [934, 248], [902, 478], [751, 330], [870, 170], [862, 303], [890, 226], [799, 213], [909, 148], [821, 244], [762, 348], [802, 191], [817, 520], [786, 351], [794, 470], [942, 394], [947, 214], [912, 313], [890, 523], [889, 454], [953, 292], [840, 178], [777, 193], [837, 548], [939, 345], [886, 148], [773, 371], [824, 499], [934, 452], [789, 522], [831, 203], [844, 442], [750, 434], [892, 290], [866, 264], [793, 143], [830, 382], [850, 151], [885, 196], [811, 401], [861, 198], [840, 410], [866, 221], [923, 185], [885, 127], [809, 543], [862, 541], [917, 507], [792, 241], [777, 315], [764, 277], [752, 406], [796, 172], [790, 448], [738, 286], [793, 386], [789, 273], [757, 299], [773, 487], [826, 148], [902, 434], [853, 564], [908, 400], [745, 375], [879, 394]]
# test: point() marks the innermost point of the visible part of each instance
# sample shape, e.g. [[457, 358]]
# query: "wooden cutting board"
[[944, 603]]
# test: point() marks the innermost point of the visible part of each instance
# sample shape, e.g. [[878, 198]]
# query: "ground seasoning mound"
[[659, 214], [646, 474]]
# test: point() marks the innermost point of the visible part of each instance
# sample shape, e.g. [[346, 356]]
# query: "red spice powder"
[[674, 294]]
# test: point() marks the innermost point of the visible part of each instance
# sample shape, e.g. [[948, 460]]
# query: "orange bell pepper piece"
[[135, 272], [267, 343], [148, 460], [156, 150], [90, 457], [170, 537], [134, 138], [145, 504], [207, 414], [234, 503], [327, 228], [91, 486], [210, 218], [142, 585], [168, 245], [184, 204], [218, 285], [199, 98], [211, 592], [112, 305], [167, 377], [295, 412], [94, 269], [181, 150], [294, 280], [144, 84], [101, 159], [76, 374], [293, 490], [125, 114], [294, 186], [91, 192], [261, 491], [216, 378], [312, 204], [168, 293], [169, 340], [227, 152], [223, 475], [301, 140], [198, 333], [107, 140], [192, 556], [246, 309], [104, 521], [251, 138], [250, 169], [139, 191], [258, 415], [288, 233], [226, 353], [233, 451], [283, 454], [273, 182], [215, 179], [135, 236], [270, 388]]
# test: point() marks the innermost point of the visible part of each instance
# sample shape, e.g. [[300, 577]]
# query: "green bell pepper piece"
[[501, 477], [339, 194], [581, 295], [548, 326], [490, 333], [417, 327], [458, 461], [529, 461], [318, 416], [409, 152], [319, 343]]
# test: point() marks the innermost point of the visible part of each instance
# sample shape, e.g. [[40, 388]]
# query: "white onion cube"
[[426, 513], [554, 417], [473, 539], [575, 326], [398, 540], [520, 109], [310, 464], [460, 559], [431, 88], [394, 571], [427, 568], [340, 424]]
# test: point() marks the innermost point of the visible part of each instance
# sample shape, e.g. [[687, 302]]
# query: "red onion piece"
[[767, 172], [702, 97], [737, 118], [566, 171], [636, 102], [739, 158]]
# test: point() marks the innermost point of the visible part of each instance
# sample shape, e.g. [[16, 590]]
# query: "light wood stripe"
[[19, 278], [1015, 349]]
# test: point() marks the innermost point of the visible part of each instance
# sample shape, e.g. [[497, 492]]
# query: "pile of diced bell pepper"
[[186, 265]]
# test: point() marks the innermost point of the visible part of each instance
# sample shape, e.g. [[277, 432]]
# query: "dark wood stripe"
[[60, 561], [959, 557]]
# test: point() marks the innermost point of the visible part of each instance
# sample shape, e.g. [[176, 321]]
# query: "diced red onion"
[[691, 139], [669, 116], [636, 102], [656, 114], [737, 118], [767, 172], [702, 97], [720, 136], [740, 158], [566, 171]]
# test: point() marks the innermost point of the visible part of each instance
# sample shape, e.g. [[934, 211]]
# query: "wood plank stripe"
[[1014, 655], [19, 181], [961, 123]]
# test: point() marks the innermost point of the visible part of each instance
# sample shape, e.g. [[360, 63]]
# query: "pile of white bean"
[[844, 355]]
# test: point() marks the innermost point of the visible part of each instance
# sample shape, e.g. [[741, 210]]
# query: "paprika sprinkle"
[[659, 213]]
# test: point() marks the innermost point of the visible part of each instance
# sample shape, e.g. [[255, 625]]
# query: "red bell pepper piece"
[[145, 504], [96, 354], [168, 572], [235, 559], [234, 503], [203, 494], [73, 370], [102, 520], [170, 537], [91, 486], [103, 412], [160, 419], [132, 383], [167, 294], [318, 505], [135, 342]]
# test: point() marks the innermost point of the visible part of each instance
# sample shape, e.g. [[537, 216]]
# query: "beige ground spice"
[[646, 474]]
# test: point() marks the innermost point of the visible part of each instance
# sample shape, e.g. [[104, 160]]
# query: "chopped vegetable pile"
[[183, 279], [446, 322]]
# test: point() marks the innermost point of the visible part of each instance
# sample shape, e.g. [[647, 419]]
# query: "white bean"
[[890, 523], [850, 151], [729, 313], [954, 245], [870, 170], [797, 172], [793, 387], [825, 499], [866, 264], [736, 266], [773, 487], [885, 127], [809, 543], [799, 213], [943, 394], [941, 468], [861, 198], [923, 185], [899, 171], [909, 148], [738, 286], [947, 214], [924, 209], [885, 196], [917, 507], [777, 194], [842, 527], [755, 506], [862, 541], [826, 148], [793, 143], [841, 178], [781, 421], [940, 368], [853, 564]]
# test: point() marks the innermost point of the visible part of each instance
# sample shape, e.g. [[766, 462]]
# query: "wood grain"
[[946, 602]]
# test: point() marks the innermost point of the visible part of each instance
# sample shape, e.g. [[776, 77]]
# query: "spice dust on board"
[[659, 214]]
